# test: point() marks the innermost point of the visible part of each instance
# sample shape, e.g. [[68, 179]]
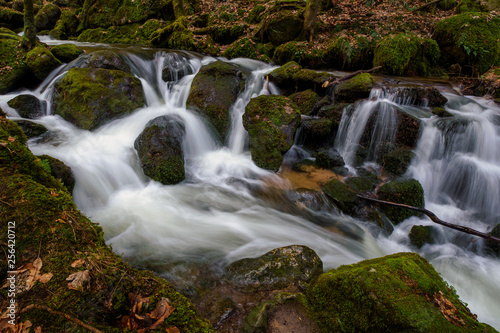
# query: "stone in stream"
[[28, 106]]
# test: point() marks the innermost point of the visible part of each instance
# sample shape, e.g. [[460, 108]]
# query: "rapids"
[[216, 215]]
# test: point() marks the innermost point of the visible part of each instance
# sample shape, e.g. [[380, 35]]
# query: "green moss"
[[13, 68], [471, 40], [397, 160], [226, 34], [242, 48], [407, 54], [11, 18], [292, 51], [350, 53], [66, 25], [66, 52], [361, 184], [421, 235], [175, 35], [305, 100], [342, 195], [126, 34], [398, 292], [41, 62], [356, 88], [403, 191], [475, 6], [254, 15]]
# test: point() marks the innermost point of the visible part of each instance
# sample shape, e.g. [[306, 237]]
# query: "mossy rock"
[[175, 35], [353, 89], [350, 53], [66, 25], [31, 129], [271, 122], [226, 34], [408, 130], [361, 184], [400, 292], [418, 96], [397, 160], [469, 39], [441, 112], [297, 51], [13, 69], [277, 269], [407, 54], [403, 191], [329, 159], [312, 79], [214, 89], [47, 17], [333, 112], [493, 247], [41, 62], [255, 14], [242, 48], [66, 52], [279, 28], [104, 59], [59, 171], [284, 76], [284, 309], [159, 147], [474, 6], [11, 18], [306, 100], [28, 106], [134, 33], [344, 197], [315, 131], [49, 216], [90, 97], [420, 235]]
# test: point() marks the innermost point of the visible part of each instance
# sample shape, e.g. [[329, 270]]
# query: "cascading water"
[[215, 216]]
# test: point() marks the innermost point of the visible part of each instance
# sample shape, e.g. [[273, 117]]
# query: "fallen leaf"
[[53, 193], [172, 329], [3, 144], [45, 278], [11, 139], [161, 312], [24, 327], [77, 263], [447, 308], [38, 329], [77, 279]]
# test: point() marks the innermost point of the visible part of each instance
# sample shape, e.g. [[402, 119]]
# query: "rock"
[[66, 25], [214, 89], [362, 184], [417, 96], [281, 27], [343, 195], [242, 48], [31, 129], [397, 293], [13, 69], [277, 269], [134, 33], [90, 97], [291, 77], [353, 89], [421, 235], [305, 100], [175, 67], [315, 131], [226, 34], [11, 18], [283, 76], [60, 171], [159, 147], [175, 36], [295, 51], [397, 160], [311, 79], [403, 191], [47, 17], [472, 6], [469, 39], [271, 122], [66, 52], [329, 159], [344, 53], [406, 54], [104, 59], [283, 313], [41, 62], [491, 246], [334, 113], [28, 106]]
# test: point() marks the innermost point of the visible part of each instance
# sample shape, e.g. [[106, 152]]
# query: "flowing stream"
[[215, 215]]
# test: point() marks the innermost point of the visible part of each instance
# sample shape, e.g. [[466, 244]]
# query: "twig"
[[435, 219], [348, 76], [67, 316]]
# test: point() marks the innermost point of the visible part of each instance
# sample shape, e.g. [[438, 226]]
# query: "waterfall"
[[216, 215]]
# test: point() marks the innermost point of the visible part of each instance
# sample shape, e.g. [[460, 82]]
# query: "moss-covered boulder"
[[59, 171], [214, 89], [90, 97], [469, 39], [41, 62], [353, 89], [13, 69], [350, 53], [31, 129], [315, 131], [283, 76], [283, 310], [292, 78], [333, 112], [300, 52], [306, 101], [66, 25], [105, 59], [397, 293], [47, 17], [28, 106], [441, 112], [66, 52], [407, 54], [280, 27], [362, 183], [404, 191], [277, 269], [420, 235], [227, 34], [134, 33], [329, 159], [271, 122], [493, 247], [11, 18], [242, 48], [474, 6], [397, 160], [418, 96], [110, 290], [175, 36], [344, 197], [159, 147]]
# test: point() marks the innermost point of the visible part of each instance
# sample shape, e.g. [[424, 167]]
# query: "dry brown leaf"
[[161, 312], [172, 329], [447, 308], [77, 263], [53, 193], [24, 327], [45, 277], [3, 144], [78, 279], [11, 139], [38, 329]]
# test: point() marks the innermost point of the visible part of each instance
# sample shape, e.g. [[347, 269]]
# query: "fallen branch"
[[348, 76], [76, 321], [435, 219]]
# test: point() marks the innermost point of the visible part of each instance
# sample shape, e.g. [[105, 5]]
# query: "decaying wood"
[[435, 219], [348, 76]]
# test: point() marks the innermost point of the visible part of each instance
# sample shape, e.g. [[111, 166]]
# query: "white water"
[[215, 216]]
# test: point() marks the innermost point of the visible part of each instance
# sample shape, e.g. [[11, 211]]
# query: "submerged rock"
[[421, 235], [31, 129], [159, 147], [28, 106], [277, 269], [271, 122], [402, 191], [214, 89], [418, 96], [90, 97], [396, 293]]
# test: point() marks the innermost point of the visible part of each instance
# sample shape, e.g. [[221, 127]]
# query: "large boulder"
[[403, 191], [13, 69], [271, 122], [159, 147], [344, 197], [353, 89], [306, 101], [397, 293], [277, 269], [105, 59], [214, 89], [66, 25], [469, 39], [47, 17], [66, 52], [41, 62], [350, 54], [291, 78], [28, 106], [417, 96], [90, 97], [281, 27], [11, 18]]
